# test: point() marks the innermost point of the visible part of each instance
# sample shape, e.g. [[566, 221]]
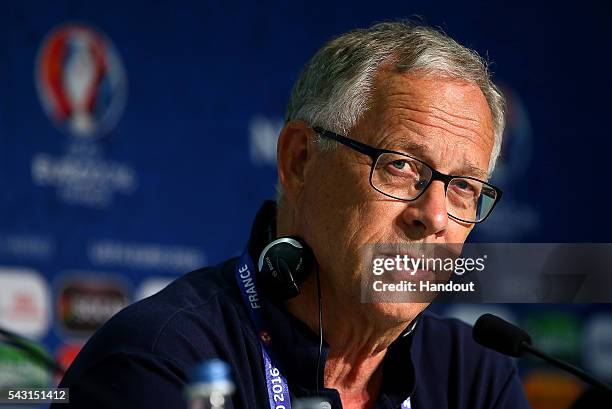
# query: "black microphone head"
[[495, 333]]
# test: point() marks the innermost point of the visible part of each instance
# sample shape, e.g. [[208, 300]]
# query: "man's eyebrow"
[[469, 169], [419, 150], [414, 147], [411, 148]]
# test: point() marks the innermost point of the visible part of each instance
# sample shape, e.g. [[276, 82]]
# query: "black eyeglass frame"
[[374, 154]]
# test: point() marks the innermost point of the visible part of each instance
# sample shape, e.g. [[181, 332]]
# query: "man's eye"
[[465, 188], [399, 164], [462, 184], [397, 167]]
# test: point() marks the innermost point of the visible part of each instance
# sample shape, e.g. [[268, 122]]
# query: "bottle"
[[210, 385], [312, 403]]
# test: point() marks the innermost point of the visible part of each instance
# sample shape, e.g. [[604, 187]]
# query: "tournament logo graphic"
[[82, 85], [81, 81]]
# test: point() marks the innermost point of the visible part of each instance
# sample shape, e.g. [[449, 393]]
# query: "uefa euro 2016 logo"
[[81, 81]]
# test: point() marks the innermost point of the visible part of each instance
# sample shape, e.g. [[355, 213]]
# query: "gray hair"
[[335, 87]]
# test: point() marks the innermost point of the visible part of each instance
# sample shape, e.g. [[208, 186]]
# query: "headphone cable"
[[320, 326]]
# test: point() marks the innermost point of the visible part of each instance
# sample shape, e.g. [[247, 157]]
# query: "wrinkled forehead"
[[444, 121]]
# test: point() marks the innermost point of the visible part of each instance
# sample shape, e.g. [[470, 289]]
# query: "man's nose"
[[427, 215]]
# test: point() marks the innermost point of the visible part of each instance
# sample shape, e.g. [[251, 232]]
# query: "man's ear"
[[292, 153]]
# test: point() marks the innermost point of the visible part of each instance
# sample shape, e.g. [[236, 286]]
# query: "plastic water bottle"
[[210, 386], [312, 403]]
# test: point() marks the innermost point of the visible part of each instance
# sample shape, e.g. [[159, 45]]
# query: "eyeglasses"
[[405, 178]]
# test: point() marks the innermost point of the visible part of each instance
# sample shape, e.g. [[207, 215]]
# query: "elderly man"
[[376, 123]]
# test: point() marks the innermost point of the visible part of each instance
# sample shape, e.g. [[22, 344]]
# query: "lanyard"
[[246, 277], [278, 389]]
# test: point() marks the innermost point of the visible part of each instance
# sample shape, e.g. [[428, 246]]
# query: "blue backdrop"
[[137, 139]]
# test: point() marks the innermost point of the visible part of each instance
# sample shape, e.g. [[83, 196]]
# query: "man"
[[375, 122]]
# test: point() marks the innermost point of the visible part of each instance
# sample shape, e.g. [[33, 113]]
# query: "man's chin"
[[398, 313]]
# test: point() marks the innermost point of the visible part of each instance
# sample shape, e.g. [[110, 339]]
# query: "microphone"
[[499, 335]]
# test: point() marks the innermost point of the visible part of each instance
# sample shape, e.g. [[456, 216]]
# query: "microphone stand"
[[567, 367]]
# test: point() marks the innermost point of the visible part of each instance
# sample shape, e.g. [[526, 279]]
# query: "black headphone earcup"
[[284, 265]]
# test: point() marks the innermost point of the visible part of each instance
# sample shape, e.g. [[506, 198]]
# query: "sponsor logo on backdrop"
[[597, 345], [65, 355], [81, 81], [82, 86], [469, 313], [151, 286], [551, 388], [512, 219], [517, 143], [27, 246], [557, 333], [18, 370], [85, 301], [263, 135], [25, 305], [144, 256], [67, 352]]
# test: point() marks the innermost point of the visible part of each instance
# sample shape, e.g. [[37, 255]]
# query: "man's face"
[[447, 124]]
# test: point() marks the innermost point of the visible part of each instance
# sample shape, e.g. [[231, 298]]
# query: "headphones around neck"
[[284, 262], [283, 265]]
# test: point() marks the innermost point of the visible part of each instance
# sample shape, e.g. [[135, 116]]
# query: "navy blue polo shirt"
[[142, 357]]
